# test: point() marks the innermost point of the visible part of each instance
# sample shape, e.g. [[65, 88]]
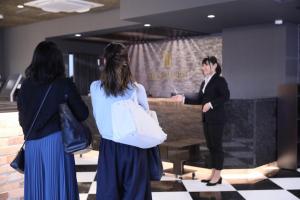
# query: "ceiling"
[[184, 22], [194, 21], [14, 16], [228, 14]]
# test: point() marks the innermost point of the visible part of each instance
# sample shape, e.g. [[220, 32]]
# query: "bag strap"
[[135, 93], [37, 113]]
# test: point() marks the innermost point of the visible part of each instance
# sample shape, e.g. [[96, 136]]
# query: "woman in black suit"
[[212, 95]]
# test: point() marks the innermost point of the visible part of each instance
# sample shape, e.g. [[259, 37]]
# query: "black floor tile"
[[261, 185], [84, 187], [95, 179], [283, 173], [216, 196], [167, 186], [91, 197], [86, 168], [295, 192]]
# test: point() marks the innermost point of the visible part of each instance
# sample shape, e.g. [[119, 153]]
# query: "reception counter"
[[249, 135], [177, 120], [249, 138], [183, 125]]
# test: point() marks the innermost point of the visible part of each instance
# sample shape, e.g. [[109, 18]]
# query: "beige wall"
[[257, 59]]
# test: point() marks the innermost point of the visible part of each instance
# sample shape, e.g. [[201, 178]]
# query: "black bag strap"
[[37, 113]]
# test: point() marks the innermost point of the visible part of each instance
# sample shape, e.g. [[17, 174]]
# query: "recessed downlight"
[[147, 25], [1, 16], [278, 21], [20, 6], [77, 35], [211, 16]]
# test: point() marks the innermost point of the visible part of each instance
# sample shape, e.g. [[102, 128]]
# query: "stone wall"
[[172, 66], [250, 132]]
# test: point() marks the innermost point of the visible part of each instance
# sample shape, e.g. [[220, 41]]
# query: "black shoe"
[[213, 184], [205, 180]]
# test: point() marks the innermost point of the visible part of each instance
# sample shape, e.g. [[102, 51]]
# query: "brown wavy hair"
[[116, 76]]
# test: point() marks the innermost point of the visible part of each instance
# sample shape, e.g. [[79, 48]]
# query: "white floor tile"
[[248, 176], [287, 183], [93, 188], [85, 176], [171, 196], [197, 186], [83, 196], [86, 161], [169, 178], [267, 194]]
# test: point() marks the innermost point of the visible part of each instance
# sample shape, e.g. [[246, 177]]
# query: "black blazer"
[[217, 93]]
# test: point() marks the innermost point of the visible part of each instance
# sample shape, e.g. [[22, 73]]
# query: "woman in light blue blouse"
[[122, 169]]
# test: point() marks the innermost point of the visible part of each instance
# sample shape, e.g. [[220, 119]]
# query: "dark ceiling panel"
[[137, 35], [230, 14]]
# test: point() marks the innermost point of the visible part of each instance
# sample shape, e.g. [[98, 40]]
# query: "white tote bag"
[[132, 125]]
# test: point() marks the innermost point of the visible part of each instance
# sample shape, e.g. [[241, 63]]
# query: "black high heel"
[[205, 180], [213, 184]]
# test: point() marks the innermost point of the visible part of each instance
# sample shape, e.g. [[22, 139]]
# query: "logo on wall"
[[167, 58]]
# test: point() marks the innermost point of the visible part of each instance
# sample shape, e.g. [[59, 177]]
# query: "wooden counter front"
[[178, 120]]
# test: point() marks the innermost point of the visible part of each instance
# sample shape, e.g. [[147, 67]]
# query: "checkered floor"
[[282, 185]]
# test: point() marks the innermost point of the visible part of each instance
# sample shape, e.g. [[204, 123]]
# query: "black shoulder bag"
[[75, 135], [19, 162]]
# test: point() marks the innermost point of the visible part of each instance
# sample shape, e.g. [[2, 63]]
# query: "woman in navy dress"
[[122, 169], [49, 171]]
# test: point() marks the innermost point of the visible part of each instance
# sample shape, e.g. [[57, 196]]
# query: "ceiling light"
[[147, 25], [64, 5], [77, 35], [278, 21], [211, 16], [20, 6], [1, 16]]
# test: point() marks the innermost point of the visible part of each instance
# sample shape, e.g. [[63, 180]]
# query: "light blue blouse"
[[102, 105]]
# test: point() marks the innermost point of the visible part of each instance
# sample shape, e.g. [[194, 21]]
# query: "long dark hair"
[[47, 63], [211, 60], [116, 76]]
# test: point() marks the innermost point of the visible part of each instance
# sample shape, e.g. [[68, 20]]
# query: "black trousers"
[[214, 135]]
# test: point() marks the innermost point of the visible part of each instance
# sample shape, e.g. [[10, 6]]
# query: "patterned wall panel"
[[173, 66]]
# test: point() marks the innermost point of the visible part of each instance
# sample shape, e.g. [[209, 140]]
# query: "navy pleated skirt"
[[122, 172], [49, 171]]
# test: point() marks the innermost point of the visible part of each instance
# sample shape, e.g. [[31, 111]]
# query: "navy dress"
[[49, 171]]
